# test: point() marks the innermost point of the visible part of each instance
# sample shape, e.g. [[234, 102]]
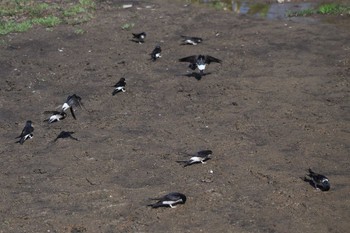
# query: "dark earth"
[[276, 106]]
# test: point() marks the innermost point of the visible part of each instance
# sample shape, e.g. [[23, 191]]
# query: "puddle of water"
[[265, 10]]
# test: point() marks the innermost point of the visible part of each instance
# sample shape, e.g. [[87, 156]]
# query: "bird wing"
[[212, 59], [72, 111], [191, 59], [52, 112], [172, 197], [204, 153], [191, 38], [119, 83]]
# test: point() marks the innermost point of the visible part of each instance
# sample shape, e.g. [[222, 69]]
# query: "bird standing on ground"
[[56, 116], [319, 181], [156, 53], [119, 86], [27, 132], [169, 200], [139, 37], [199, 157], [189, 40]]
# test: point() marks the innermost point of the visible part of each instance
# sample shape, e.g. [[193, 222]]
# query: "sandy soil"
[[277, 105]]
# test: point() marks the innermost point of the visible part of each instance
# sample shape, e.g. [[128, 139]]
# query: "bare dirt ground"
[[277, 105]]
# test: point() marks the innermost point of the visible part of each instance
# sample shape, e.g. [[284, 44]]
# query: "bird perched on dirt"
[[199, 61], [169, 200], [199, 157], [72, 101], [119, 86], [27, 132], [56, 116], [139, 37], [156, 53], [189, 40], [319, 181]]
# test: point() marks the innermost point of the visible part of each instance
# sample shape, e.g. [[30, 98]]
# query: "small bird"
[[191, 40], [56, 116], [199, 157], [156, 53], [119, 86], [169, 200], [199, 61], [66, 134], [319, 181], [72, 101], [139, 37], [27, 132]]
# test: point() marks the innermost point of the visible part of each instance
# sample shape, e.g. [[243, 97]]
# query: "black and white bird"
[[189, 40], [139, 37], [119, 86], [72, 101], [27, 132], [56, 116], [199, 157], [169, 200], [319, 181], [156, 53], [200, 61]]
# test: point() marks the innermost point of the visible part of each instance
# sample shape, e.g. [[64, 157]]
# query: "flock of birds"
[[72, 102]]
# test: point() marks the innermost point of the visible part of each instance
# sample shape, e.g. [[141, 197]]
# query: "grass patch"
[[12, 26], [127, 26], [21, 15], [48, 21], [324, 9], [79, 31]]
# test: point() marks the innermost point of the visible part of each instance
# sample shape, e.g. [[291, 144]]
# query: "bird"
[[319, 181], [156, 53], [199, 157], [119, 86], [169, 200], [199, 61], [27, 132], [72, 101], [139, 37], [56, 116], [191, 40]]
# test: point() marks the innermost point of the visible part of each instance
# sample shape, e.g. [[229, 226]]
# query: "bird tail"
[[155, 205], [21, 141], [310, 171], [185, 163]]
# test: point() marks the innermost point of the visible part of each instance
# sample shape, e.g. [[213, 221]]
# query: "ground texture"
[[277, 105]]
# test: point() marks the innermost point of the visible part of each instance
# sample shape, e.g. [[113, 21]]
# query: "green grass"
[[79, 31], [324, 9], [21, 15], [127, 26], [48, 21], [12, 26]]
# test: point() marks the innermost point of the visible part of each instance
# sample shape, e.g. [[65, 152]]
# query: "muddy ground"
[[277, 105]]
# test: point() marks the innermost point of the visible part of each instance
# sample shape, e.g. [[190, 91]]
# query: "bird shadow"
[[196, 75], [66, 134]]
